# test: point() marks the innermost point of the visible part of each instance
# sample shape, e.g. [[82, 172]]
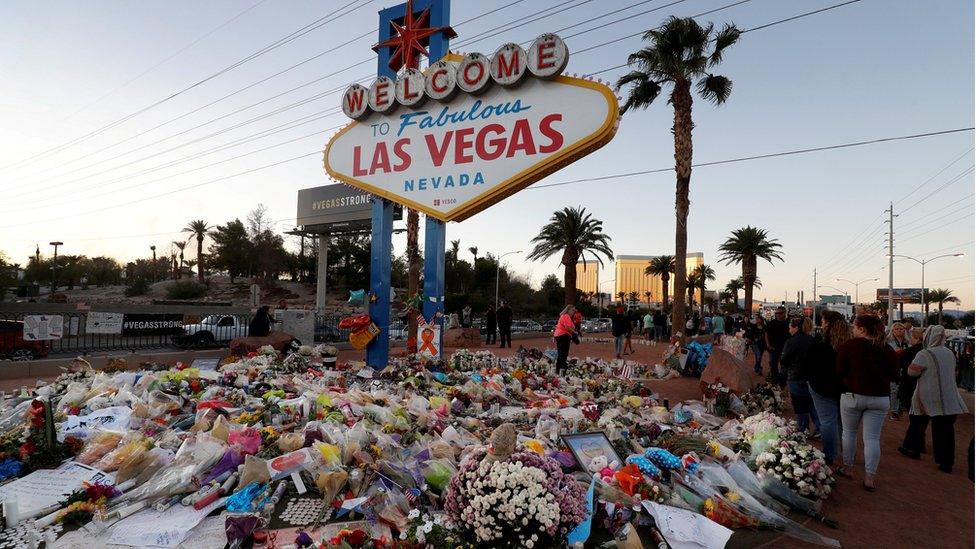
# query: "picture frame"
[[589, 445]]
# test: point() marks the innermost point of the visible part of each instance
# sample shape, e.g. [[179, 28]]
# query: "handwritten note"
[[160, 529], [44, 488], [113, 418], [686, 530]]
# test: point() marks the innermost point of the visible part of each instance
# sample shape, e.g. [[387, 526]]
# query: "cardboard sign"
[[103, 323], [43, 327]]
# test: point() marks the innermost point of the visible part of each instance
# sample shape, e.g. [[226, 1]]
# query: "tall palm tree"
[[746, 246], [680, 53], [413, 275], [474, 252], [733, 287], [940, 296], [620, 297], [703, 273], [647, 296], [633, 297], [573, 233], [662, 266], [181, 246], [455, 248], [726, 297], [198, 228], [693, 284]]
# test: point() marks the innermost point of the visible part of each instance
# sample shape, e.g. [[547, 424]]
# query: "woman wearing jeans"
[[866, 366], [793, 363], [825, 387], [563, 334]]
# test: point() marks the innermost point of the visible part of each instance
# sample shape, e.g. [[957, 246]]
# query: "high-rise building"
[[631, 278], [587, 276]]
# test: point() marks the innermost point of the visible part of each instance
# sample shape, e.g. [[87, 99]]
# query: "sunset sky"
[[869, 70]]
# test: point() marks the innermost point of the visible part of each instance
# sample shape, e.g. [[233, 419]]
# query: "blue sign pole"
[[381, 247]]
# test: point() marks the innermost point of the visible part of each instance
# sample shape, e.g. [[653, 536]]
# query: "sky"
[[132, 167]]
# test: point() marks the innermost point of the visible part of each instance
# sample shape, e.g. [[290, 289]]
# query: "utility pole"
[[891, 264], [815, 299]]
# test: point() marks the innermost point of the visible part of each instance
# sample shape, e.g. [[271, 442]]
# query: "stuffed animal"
[[501, 445]]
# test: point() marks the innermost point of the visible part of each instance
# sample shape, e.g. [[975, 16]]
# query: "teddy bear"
[[501, 445]]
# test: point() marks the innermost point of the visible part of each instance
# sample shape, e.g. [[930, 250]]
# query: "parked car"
[[13, 346], [525, 326], [549, 325], [212, 329], [596, 325]]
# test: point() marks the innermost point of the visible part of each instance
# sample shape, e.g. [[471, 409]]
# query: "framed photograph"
[[589, 445]]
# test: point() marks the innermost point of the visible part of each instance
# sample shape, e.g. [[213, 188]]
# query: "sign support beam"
[[380, 271]]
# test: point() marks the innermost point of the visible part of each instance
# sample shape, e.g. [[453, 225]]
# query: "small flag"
[[412, 495], [627, 370]]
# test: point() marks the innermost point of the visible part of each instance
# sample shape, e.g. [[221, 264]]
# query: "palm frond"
[[715, 88], [724, 38]]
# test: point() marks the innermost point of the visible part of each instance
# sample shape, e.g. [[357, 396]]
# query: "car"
[[549, 325], [13, 346], [212, 329], [525, 326], [596, 325]]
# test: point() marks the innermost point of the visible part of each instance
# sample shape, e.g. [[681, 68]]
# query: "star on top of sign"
[[412, 37]]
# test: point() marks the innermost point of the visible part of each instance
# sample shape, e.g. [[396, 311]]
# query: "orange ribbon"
[[427, 334]]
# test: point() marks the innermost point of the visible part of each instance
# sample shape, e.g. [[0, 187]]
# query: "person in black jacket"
[[491, 326], [504, 317], [825, 385], [793, 364], [260, 325]]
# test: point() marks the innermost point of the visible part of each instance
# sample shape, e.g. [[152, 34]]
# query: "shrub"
[[186, 289], [139, 286]]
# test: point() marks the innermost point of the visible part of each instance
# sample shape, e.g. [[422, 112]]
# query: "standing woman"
[[619, 326], [825, 386], [898, 340], [563, 334], [866, 366], [793, 363], [936, 398]]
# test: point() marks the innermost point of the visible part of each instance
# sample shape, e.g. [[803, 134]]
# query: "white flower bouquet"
[[799, 466]]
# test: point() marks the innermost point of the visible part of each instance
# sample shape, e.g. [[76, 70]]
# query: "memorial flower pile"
[[764, 397], [799, 466]]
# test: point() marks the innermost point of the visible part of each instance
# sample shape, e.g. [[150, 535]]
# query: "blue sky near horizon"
[[868, 70]]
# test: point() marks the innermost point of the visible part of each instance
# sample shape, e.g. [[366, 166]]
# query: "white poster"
[[46, 487], [103, 323], [429, 340], [298, 323], [43, 327], [113, 418]]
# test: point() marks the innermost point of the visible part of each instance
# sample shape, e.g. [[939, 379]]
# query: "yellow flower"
[[535, 446]]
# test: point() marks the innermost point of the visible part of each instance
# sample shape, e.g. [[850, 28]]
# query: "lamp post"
[[54, 266], [856, 285], [153, 248], [498, 272], [923, 262], [601, 294]]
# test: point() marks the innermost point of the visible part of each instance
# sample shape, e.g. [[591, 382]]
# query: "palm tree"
[[693, 284], [474, 252], [746, 246], [181, 246], [198, 228], [413, 274], [574, 233], [647, 296], [633, 297], [703, 273], [620, 297], [733, 288], [940, 296], [726, 297], [680, 51], [455, 248], [662, 266]]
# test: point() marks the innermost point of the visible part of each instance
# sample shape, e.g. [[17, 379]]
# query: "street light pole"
[[922, 262], [54, 267], [498, 271], [856, 285], [153, 248]]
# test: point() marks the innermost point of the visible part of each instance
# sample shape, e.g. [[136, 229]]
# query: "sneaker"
[[908, 453]]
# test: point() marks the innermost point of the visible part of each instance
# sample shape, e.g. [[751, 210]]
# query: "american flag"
[[412, 494], [626, 371]]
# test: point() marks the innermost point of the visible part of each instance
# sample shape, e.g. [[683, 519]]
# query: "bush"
[[139, 286], [186, 289]]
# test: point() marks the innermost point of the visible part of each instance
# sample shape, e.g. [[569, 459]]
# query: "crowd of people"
[[853, 376]]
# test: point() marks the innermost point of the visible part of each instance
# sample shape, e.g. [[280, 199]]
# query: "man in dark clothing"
[[619, 327], [777, 332], [261, 323], [660, 326], [491, 326], [729, 325], [504, 317]]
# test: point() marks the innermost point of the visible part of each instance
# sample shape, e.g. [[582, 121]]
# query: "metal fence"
[[965, 374]]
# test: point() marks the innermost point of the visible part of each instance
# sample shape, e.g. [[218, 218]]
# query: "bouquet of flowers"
[[799, 466], [763, 398], [324, 350], [431, 531], [718, 397], [522, 501]]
